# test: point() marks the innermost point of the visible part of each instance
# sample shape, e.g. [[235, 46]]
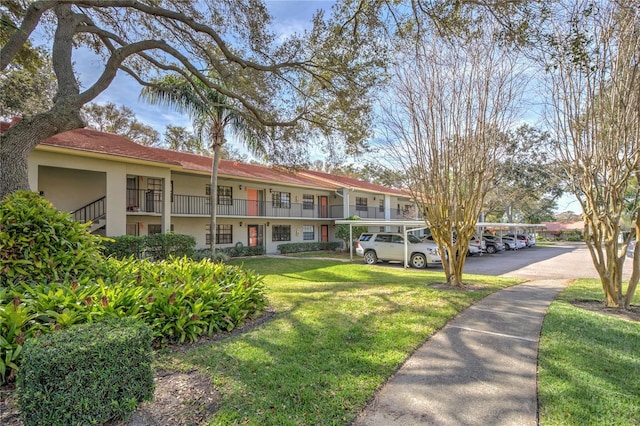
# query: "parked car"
[[475, 245], [520, 237], [387, 246], [493, 244], [511, 243], [532, 239]]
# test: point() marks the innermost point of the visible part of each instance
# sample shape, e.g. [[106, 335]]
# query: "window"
[[224, 195], [307, 201], [381, 205], [154, 184], [281, 233], [224, 234], [281, 200], [132, 229], [154, 228], [308, 233], [361, 203]]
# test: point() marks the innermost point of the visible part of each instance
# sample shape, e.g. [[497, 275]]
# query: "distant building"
[[560, 230]]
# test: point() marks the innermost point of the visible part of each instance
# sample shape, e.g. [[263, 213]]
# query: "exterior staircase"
[[94, 212]]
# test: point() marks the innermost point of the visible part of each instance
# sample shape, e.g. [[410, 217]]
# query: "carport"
[[407, 226]]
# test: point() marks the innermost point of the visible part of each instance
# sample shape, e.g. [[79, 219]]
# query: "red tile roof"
[[350, 182], [94, 141], [563, 226]]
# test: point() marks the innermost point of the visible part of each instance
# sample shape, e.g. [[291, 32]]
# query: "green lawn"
[[339, 331], [589, 363]]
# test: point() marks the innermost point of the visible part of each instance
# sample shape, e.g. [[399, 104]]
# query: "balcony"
[[144, 201], [199, 206], [375, 213]]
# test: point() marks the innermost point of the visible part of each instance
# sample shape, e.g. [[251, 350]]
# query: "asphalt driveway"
[[561, 261]]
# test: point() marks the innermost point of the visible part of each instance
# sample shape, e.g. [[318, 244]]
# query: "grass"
[[589, 363], [340, 330]]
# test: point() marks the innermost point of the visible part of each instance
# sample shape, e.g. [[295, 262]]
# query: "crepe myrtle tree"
[[593, 75], [452, 98], [316, 83]]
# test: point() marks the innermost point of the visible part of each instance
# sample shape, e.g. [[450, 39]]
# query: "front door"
[[255, 235], [252, 202], [324, 206], [324, 233]]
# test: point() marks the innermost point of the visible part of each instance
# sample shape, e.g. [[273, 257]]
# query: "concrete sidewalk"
[[480, 369]]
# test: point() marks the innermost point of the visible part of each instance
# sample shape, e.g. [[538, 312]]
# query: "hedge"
[[155, 246], [88, 374], [310, 246]]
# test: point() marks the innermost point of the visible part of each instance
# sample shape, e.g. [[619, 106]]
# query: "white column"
[[166, 201], [116, 202], [387, 211], [33, 174], [345, 202]]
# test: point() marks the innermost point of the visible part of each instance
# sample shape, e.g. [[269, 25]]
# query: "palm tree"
[[212, 113]]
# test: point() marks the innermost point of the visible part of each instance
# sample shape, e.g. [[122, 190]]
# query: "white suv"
[[385, 246]]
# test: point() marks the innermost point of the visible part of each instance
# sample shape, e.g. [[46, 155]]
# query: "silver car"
[[387, 246]]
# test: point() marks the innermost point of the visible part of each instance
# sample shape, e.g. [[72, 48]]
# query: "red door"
[[255, 235], [324, 233], [252, 202], [324, 206]]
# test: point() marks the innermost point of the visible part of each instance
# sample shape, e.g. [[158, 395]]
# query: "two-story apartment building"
[[126, 188]]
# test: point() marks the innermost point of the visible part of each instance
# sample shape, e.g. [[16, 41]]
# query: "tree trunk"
[[213, 194], [604, 253], [454, 266], [635, 272], [17, 142]]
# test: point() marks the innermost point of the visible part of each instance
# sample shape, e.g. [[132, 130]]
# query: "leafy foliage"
[[88, 374], [124, 246], [311, 246], [238, 251], [342, 231], [180, 299], [156, 246], [38, 243], [162, 246], [121, 121], [527, 183]]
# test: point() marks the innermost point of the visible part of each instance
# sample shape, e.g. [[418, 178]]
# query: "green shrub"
[[342, 231], [38, 243], [124, 246], [161, 246], [218, 256], [88, 374], [575, 235], [180, 299], [310, 246], [238, 251]]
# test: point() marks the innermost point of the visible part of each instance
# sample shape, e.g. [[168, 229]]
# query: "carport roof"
[[420, 223]]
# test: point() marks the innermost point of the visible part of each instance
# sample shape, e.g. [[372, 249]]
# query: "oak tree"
[[300, 85]]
